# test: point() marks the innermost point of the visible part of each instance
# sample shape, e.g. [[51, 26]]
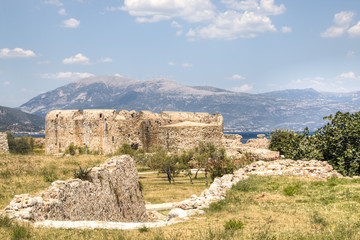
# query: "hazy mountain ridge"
[[15, 120], [294, 109]]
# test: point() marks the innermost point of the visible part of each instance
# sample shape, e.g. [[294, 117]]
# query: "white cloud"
[[77, 59], [237, 77], [71, 23], [231, 25], [263, 7], [53, 2], [354, 31], [350, 53], [155, 11], [175, 24], [62, 11], [321, 84], [342, 22], [186, 64], [6, 83], [16, 53], [118, 75], [243, 88], [349, 75], [67, 75], [171, 63], [286, 29], [106, 60]]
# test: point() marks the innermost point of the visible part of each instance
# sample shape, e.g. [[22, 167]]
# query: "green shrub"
[[83, 173], [5, 221], [234, 225], [144, 229], [49, 175], [291, 190], [20, 232], [217, 206], [338, 142], [71, 149], [19, 145]]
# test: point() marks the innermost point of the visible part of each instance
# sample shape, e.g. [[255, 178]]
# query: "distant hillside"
[[293, 109], [17, 121]]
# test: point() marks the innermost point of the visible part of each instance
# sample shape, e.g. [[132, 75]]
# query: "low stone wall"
[[320, 170], [4, 147], [111, 194], [260, 142]]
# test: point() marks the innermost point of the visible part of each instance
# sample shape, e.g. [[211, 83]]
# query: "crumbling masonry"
[[4, 147], [104, 131]]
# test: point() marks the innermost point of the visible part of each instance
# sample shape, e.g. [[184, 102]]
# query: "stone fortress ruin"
[[107, 130], [104, 131]]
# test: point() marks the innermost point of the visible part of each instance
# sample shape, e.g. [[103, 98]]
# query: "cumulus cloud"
[[6, 83], [263, 7], [237, 77], [54, 2], [354, 31], [62, 11], [349, 75], [106, 60], [171, 63], [243, 88], [286, 29], [231, 25], [71, 23], [187, 65], [342, 21], [118, 75], [155, 11], [67, 75], [77, 59], [236, 19], [16, 53]]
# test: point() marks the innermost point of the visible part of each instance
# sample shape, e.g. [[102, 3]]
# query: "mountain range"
[[14, 120], [292, 109]]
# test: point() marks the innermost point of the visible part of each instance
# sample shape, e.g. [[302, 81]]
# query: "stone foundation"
[[4, 147], [112, 193], [319, 170]]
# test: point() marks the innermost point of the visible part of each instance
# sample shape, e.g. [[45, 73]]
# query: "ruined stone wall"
[[4, 147], [260, 142], [106, 130], [187, 135], [112, 193]]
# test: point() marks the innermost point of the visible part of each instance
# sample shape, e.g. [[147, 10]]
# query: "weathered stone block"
[[4, 147], [111, 194]]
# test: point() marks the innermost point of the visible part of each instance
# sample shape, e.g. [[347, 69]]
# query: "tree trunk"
[[196, 173], [168, 176], [207, 183]]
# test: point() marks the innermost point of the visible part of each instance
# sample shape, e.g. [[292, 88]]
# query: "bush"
[[338, 142], [290, 144], [213, 160], [83, 174], [234, 225], [71, 149], [21, 145]]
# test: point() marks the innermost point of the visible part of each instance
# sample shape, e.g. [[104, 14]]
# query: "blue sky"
[[247, 46]]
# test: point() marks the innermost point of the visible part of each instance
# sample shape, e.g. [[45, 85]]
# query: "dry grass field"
[[258, 208]]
